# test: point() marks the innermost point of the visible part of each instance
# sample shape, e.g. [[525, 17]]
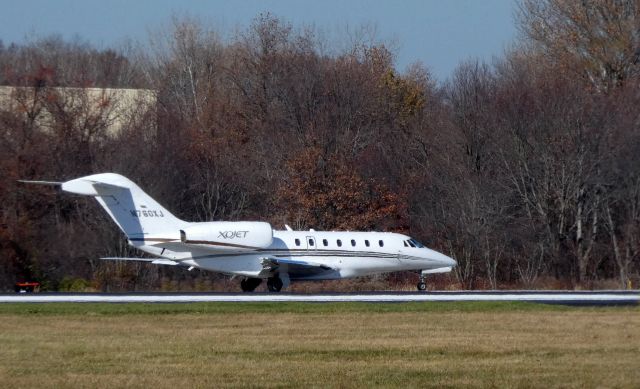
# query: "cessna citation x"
[[252, 250]]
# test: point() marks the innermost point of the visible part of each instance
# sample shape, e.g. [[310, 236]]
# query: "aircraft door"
[[403, 254], [311, 243]]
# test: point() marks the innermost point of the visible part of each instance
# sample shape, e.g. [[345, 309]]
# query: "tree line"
[[526, 170]]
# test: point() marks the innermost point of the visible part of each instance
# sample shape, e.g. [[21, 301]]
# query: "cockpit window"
[[411, 243], [415, 243]]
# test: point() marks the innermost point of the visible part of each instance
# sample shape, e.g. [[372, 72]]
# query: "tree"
[[598, 39], [325, 192]]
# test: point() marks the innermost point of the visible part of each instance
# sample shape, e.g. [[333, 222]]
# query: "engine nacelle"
[[228, 235]]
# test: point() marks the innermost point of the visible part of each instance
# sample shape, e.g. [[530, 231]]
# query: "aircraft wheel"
[[250, 284], [244, 285], [274, 284], [422, 286]]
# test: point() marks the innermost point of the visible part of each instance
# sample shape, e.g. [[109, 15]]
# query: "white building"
[[107, 110]]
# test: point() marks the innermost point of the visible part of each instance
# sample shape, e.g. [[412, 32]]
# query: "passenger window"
[[324, 242], [297, 242], [339, 243], [311, 242], [381, 243], [366, 243], [353, 243]]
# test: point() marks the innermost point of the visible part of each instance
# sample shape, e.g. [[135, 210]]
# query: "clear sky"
[[437, 33]]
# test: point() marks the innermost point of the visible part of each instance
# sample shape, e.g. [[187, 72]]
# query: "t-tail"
[[138, 215]]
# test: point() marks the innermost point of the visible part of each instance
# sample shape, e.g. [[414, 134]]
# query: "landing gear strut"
[[274, 284], [422, 285], [250, 284]]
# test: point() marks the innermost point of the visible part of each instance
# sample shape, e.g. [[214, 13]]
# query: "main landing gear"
[[274, 284], [422, 285], [250, 284]]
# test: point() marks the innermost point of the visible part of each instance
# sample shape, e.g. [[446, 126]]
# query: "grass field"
[[318, 345]]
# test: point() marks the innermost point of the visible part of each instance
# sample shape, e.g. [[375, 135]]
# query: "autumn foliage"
[[526, 171], [326, 192]]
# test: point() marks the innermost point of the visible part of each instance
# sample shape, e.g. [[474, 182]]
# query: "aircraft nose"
[[452, 262], [443, 259]]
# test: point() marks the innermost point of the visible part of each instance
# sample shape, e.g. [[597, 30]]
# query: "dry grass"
[[322, 347]]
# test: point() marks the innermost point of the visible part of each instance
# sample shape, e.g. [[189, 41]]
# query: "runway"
[[611, 297]]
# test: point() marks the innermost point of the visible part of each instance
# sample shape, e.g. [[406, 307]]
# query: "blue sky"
[[437, 33]]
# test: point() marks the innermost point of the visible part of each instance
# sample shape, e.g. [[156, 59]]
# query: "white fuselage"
[[250, 249], [342, 254]]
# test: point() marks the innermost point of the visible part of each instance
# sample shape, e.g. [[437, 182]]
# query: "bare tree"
[[598, 39]]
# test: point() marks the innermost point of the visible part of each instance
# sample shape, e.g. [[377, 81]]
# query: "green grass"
[[271, 307], [318, 345]]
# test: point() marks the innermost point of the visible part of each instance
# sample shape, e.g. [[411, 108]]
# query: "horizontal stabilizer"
[[155, 261], [50, 183], [129, 259]]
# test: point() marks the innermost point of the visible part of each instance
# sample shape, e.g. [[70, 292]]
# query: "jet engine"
[[228, 235]]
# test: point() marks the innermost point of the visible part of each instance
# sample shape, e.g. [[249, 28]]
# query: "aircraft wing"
[[295, 269], [155, 261]]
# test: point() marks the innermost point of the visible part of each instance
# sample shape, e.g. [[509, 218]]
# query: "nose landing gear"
[[422, 285]]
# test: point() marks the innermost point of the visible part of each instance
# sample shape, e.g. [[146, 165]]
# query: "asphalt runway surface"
[[605, 298]]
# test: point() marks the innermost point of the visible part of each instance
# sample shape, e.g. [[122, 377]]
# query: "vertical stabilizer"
[[137, 214]]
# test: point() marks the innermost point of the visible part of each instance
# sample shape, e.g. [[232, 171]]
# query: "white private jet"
[[252, 250]]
